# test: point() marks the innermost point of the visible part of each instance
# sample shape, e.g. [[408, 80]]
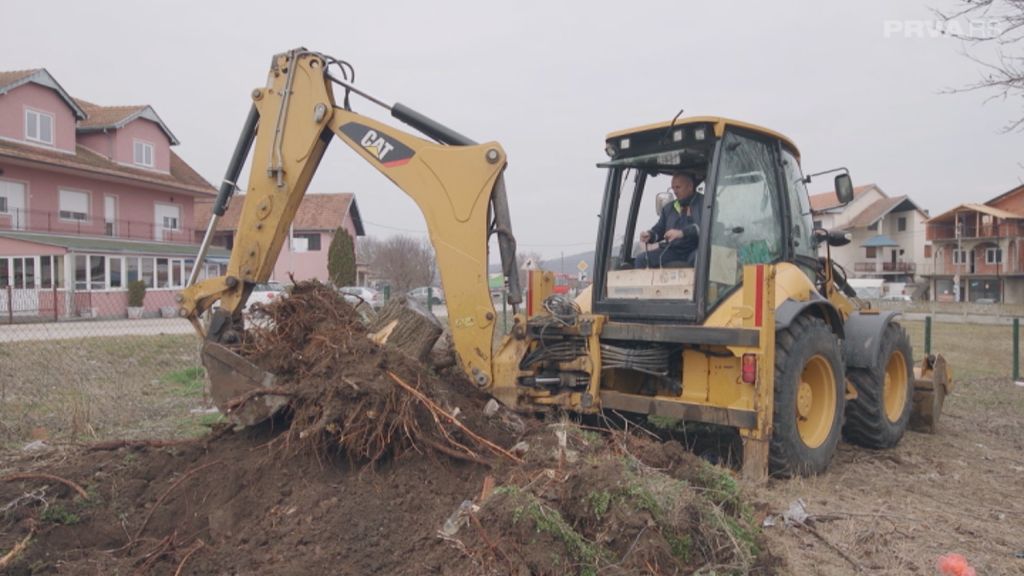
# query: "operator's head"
[[682, 185]]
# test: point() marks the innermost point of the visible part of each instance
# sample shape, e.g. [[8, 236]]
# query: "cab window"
[[745, 222]]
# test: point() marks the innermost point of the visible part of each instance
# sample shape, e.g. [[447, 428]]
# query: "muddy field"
[[567, 500]]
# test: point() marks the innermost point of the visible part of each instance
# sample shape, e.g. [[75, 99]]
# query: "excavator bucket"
[[933, 380], [234, 379]]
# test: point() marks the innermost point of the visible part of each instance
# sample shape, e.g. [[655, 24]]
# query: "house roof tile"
[[998, 213], [877, 209], [316, 212], [107, 117], [827, 200], [181, 176], [12, 79]]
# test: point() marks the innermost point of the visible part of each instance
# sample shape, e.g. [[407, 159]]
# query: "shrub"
[[136, 293]]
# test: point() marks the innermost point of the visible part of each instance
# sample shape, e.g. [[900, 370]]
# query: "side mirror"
[[844, 188], [662, 199]]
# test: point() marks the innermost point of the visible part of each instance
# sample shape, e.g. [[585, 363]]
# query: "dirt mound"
[[346, 392], [296, 495]]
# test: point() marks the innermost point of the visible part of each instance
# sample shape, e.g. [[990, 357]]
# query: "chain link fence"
[[70, 373]]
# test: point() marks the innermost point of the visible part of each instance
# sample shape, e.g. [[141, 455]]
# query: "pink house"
[[304, 257], [91, 198]]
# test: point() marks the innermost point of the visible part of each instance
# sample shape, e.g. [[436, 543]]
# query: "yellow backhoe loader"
[[758, 332]]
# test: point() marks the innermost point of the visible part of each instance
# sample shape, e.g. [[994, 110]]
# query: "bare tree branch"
[[1003, 75]]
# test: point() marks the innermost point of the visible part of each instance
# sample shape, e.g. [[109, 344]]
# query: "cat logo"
[[385, 149], [376, 144]]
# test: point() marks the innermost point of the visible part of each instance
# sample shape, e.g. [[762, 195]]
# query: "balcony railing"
[[968, 230], [884, 267], [20, 220], [899, 267]]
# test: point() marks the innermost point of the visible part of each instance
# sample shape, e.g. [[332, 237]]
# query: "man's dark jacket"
[[677, 215]]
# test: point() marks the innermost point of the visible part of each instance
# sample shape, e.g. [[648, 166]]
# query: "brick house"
[[304, 256], [978, 246], [91, 198], [888, 234]]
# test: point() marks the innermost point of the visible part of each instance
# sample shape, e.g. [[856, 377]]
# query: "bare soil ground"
[[252, 503], [960, 490]]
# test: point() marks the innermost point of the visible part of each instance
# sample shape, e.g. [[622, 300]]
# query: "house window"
[[51, 271], [116, 266], [81, 272], [147, 272], [74, 205], [927, 250], [306, 242], [817, 224], [901, 224], [143, 154], [39, 127], [993, 255], [959, 256], [162, 273], [3, 205], [131, 269], [167, 218], [97, 272], [870, 252]]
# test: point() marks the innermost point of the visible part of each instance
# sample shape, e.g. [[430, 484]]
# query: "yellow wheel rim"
[[816, 401], [895, 391]]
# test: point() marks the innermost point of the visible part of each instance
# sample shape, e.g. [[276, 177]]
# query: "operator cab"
[[753, 209]]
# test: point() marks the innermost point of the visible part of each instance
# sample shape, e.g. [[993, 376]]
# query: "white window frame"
[[993, 256], [32, 117], [88, 205], [159, 219], [110, 218], [145, 147]]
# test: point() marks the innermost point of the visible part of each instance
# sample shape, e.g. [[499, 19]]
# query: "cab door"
[[746, 221]]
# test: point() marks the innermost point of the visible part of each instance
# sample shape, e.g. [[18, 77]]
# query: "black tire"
[[807, 345], [869, 421]]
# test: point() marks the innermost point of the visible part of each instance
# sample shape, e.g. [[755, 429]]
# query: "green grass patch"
[[682, 546], [189, 382], [586, 555], [57, 514], [199, 425], [599, 502]]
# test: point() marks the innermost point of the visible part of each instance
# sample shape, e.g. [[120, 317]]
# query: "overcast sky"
[[852, 83]]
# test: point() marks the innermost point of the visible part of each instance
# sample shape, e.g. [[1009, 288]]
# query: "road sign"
[[582, 266]]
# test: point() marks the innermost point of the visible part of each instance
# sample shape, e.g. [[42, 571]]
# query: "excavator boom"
[[457, 184]]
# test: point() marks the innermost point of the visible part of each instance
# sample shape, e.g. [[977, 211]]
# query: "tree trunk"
[[407, 326]]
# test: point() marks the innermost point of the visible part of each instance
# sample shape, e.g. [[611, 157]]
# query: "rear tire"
[[878, 417], [809, 398]]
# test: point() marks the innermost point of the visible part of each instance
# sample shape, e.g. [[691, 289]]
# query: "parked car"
[[897, 298], [357, 294], [420, 295], [265, 293]]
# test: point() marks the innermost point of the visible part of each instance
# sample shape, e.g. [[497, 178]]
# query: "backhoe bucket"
[[932, 382], [234, 379]]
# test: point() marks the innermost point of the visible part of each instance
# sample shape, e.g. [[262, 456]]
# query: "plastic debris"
[[520, 448], [796, 514], [491, 408], [954, 565], [459, 518], [35, 446]]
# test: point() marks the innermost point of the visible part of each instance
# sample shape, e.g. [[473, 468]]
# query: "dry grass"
[[99, 388], [896, 511]]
